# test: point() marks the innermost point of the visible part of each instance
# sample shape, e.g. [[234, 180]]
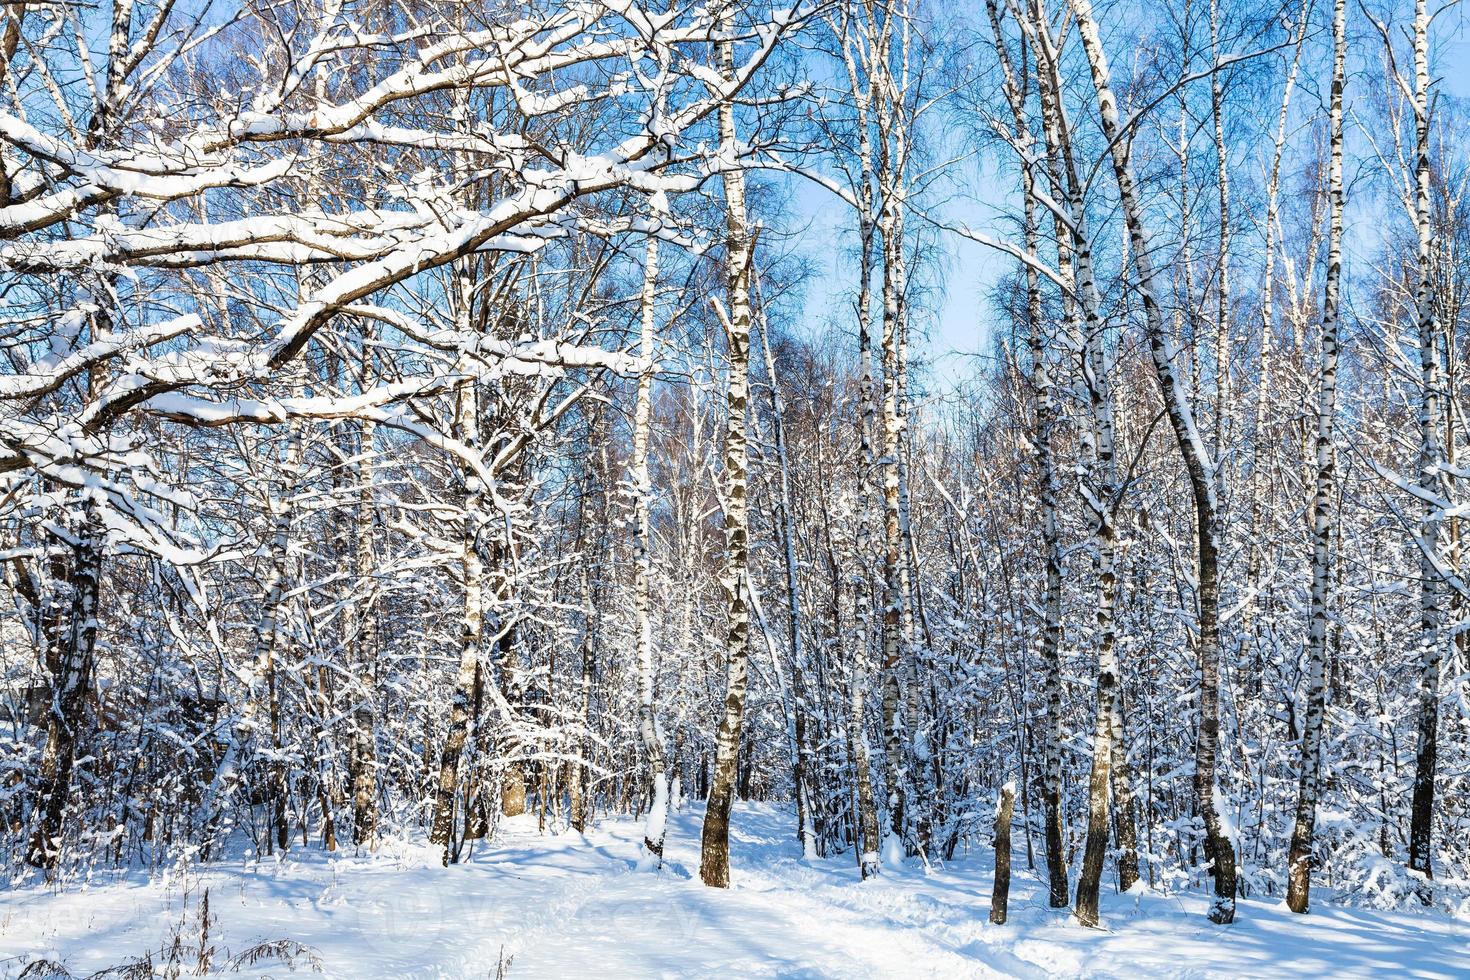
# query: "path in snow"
[[566, 906]]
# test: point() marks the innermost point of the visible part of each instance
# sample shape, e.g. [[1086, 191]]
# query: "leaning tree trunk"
[[714, 865], [1197, 462], [1298, 866]]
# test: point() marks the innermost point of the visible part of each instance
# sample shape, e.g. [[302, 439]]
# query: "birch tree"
[[1045, 425], [714, 865], [1299, 859], [1198, 463], [653, 834]]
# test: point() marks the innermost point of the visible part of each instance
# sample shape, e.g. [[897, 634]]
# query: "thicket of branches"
[[410, 417]]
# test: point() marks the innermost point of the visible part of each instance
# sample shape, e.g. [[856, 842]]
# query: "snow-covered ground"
[[567, 906]]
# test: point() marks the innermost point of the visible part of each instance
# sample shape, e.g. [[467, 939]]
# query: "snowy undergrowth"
[[566, 906]]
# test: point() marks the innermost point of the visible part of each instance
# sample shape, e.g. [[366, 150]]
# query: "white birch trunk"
[[1298, 880], [1045, 410], [658, 809], [472, 615], [1431, 479], [714, 866], [866, 815]]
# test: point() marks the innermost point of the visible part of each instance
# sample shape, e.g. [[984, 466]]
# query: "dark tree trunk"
[[69, 687], [1001, 891]]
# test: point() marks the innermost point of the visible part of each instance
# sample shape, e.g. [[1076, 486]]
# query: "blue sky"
[[958, 318]]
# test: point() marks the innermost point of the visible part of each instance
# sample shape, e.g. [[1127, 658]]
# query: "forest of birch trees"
[[419, 413]]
